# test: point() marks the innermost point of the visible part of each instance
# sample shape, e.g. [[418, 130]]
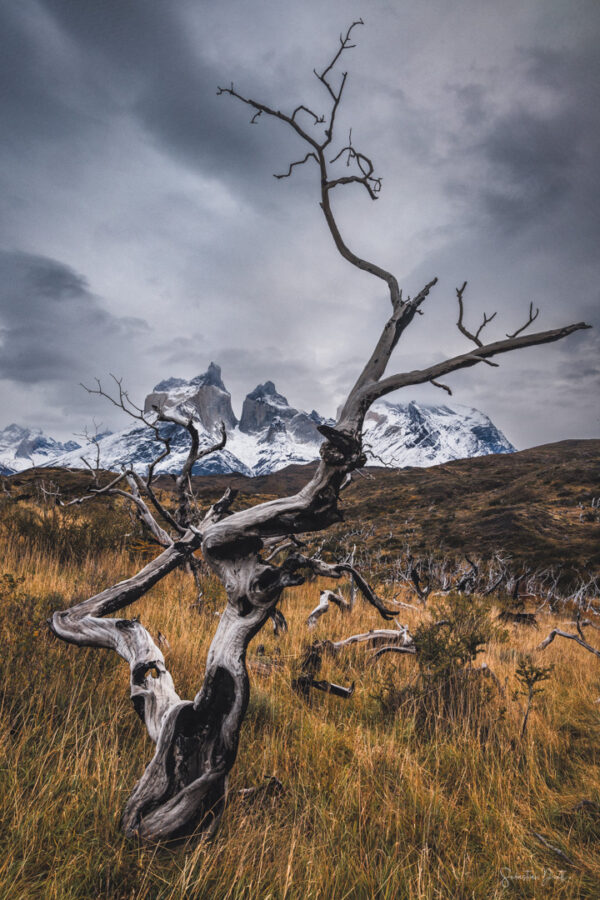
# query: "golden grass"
[[372, 808]]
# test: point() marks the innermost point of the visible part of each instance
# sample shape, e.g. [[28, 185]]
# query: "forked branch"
[[578, 638], [531, 318], [460, 324]]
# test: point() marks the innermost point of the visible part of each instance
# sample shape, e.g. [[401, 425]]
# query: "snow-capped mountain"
[[22, 448], [271, 434], [420, 434]]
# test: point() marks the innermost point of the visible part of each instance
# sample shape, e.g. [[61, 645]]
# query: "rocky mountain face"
[[412, 434], [272, 434], [21, 448], [205, 395]]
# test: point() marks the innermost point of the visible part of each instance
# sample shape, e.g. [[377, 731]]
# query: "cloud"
[[52, 328], [531, 148], [154, 73], [32, 72], [119, 157], [530, 158]]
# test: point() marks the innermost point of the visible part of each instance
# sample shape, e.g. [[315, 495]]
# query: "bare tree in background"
[[183, 788]]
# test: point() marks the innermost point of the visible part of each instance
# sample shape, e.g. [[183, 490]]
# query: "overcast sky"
[[142, 232]]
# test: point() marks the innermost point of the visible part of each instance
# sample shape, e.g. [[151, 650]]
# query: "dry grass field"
[[378, 800]]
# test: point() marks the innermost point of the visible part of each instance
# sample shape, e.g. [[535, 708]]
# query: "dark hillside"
[[535, 504]]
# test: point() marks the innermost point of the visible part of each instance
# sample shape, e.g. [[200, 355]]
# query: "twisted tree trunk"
[[184, 787]]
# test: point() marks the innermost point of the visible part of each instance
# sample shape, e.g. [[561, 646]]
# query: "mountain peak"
[[169, 384], [267, 390], [270, 435], [210, 378], [22, 447], [16, 430], [262, 405], [205, 395]]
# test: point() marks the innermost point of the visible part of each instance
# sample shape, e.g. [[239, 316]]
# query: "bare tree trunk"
[[184, 787]]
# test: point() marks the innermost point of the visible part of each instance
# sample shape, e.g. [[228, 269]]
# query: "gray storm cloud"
[[52, 326], [144, 234]]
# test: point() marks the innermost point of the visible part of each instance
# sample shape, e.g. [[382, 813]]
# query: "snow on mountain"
[[413, 434], [136, 447], [205, 395], [21, 448], [270, 434]]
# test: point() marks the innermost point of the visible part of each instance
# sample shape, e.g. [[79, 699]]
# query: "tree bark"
[[183, 789]]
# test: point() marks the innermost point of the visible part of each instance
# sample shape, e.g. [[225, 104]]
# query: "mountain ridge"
[[269, 435]]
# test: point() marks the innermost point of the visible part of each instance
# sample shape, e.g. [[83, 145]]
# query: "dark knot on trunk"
[[341, 448]]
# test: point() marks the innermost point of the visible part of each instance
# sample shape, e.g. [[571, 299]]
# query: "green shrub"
[[447, 689]]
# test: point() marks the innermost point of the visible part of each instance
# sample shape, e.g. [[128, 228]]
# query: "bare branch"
[[299, 162], [280, 547], [183, 482], [304, 683], [144, 514], [327, 597], [152, 691], [297, 561], [220, 509], [399, 636], [460, 324], [318, 120], [482, 359], [345, 44], [366, 178], [263, 108], [438, 384], [271, 786], [280, 625], [553, 848], [465, 360], [557, 632], [146, 486], [354, 259], [121, 401], [126, 592], [393, 648], [93, 492], [531, 318]]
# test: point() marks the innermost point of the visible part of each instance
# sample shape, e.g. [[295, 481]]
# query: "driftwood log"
[[183, 789]]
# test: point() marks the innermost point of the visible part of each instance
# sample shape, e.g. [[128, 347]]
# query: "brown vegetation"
[[388, 794], [535, 505]]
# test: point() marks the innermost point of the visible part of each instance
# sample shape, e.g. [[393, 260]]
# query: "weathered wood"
[[184, 787], [326, 598], [579, 639]]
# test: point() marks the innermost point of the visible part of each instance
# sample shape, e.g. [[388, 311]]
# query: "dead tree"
[[325, 599], [430, 576], [183, 789], [579, 637]]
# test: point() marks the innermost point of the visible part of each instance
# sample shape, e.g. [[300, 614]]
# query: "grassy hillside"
[[388, 794], [534, 505], [531, 504]]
